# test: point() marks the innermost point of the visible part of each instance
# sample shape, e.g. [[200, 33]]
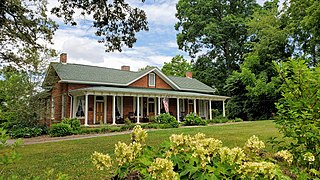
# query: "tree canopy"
[[178, 66], [215, 31]]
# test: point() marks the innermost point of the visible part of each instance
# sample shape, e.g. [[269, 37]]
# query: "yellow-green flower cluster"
[[162, 169], [256, 169], [101, 161], [232, 156], [126, 153], [138, 135], [285, 155], [200, 147], [309, 157], [254, 144]]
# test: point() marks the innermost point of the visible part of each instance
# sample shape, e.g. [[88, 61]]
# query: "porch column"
[[105, 98], [223, 109], [210, 113], [113, 109], [195, 106], [138, 109], [94, 109], [159, 101], [71, 106], [178, 110], [86, 111]]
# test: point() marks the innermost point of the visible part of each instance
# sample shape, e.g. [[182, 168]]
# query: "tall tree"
[[215, 30], [116, 21], [178, 66], [255, 88], [304, 24], [24, 29]]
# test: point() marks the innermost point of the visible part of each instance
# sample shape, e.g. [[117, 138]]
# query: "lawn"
[[73, 157]]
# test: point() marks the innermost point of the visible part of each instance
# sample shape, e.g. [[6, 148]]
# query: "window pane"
[[152, 79]]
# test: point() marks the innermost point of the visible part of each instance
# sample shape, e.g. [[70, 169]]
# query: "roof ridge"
[[102, 67]]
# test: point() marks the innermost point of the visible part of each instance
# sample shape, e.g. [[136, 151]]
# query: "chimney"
[[125, 68], [189, 75], [63, 58]]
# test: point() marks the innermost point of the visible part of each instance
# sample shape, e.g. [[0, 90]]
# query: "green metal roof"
[[101, 90], [191, 84], [77, 73]]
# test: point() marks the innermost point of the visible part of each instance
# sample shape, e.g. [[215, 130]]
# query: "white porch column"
[[86, 111], [94, 109], [122, 107], [195, 106], [138, 109], [113, 109], [105, 98], [71, 107], [159, 101], [178, 110], [223, 109], [210, 113]]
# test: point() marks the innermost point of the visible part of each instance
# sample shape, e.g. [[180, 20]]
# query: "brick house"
[[104, 95]]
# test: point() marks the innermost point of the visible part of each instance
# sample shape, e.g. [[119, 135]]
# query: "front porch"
[[110, 105]]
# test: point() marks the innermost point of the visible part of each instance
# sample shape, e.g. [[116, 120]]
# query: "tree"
[[298, 109], [116, 22], [178, 66], [269, 43], [147, 67], [304, 23], [215, 30], [25, 29]]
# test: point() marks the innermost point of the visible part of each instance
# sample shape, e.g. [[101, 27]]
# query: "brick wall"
[[144, 83], [127, 106]]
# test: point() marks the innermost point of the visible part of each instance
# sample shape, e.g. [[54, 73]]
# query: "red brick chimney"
[[189, 75], [63, 58], [125, 68]]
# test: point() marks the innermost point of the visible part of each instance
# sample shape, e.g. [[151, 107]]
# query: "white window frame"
[[152, 83]]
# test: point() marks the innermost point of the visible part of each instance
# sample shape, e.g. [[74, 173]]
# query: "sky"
[[153, 47]]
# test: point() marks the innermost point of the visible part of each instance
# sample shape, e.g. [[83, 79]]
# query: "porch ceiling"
[[145, 93]]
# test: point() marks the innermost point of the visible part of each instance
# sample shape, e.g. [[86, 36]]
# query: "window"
[[152, 79], [80, 106]]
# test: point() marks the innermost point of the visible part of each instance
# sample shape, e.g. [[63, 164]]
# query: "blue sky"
[[154, 47]]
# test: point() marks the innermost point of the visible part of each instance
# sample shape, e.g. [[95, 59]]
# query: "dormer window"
[[152, 79]]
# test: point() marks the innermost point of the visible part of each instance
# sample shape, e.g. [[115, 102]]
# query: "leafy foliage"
[[215, 31], [116, 22], [255, 88], [24, 25], [60, 129], [8, 153], [298, 110], [167, 119], [195, 157], [193, 119], [73, 122], [178, 66], [27, 132]]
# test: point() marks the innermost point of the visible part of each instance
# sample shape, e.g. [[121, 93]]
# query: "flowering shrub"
[[196, 157], [167, 119], [192, 119]]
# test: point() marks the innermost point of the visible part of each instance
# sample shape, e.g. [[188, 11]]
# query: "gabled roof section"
[[191, 84], [160, 74], [85, 74], [76, 73]]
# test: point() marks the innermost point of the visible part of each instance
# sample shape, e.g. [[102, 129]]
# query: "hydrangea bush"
[[195, 157]]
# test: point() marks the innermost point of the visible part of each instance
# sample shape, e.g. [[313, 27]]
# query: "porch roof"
[[145, 92]]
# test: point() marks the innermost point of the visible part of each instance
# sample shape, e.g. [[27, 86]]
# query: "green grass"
[[73, 157]]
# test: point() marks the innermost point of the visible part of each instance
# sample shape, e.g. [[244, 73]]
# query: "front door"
[[99, 112]]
